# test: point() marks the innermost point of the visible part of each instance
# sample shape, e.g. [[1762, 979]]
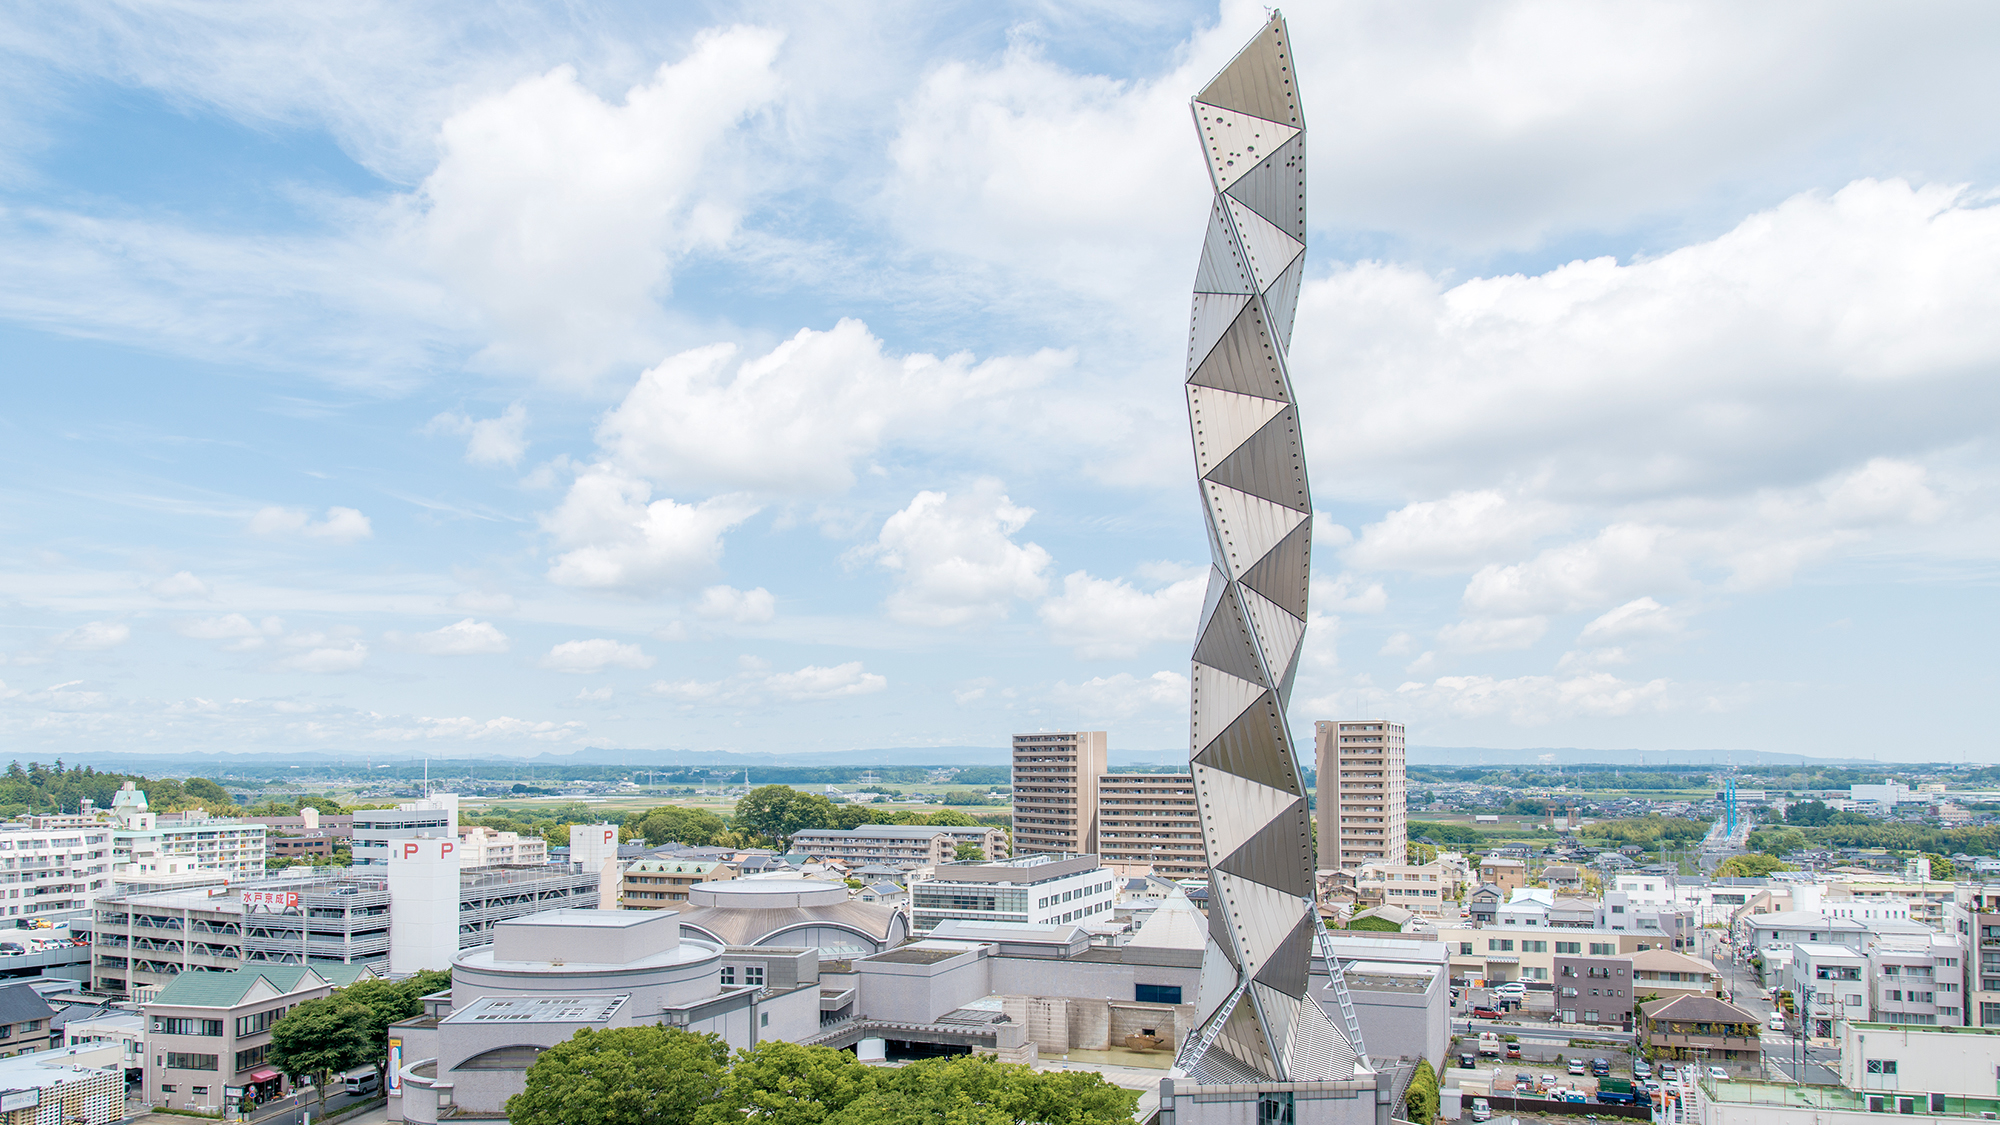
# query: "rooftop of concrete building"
[[1023, 869], [228, 989], [1842, 1098], [895, 830], [539, 1009], [1667, 961], [918, 955]]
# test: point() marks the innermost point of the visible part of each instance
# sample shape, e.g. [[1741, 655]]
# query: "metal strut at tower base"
[[1256, 1020]]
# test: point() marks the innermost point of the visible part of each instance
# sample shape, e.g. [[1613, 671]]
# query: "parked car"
[[363, 1083], [1576, 1066], [1513, 1050], [1482, 1110], [1719, 1074], [1600, 1067], [1668, 1073], [1641, 1068], [1775, 1025], [1486, 1013], [1467, 1061]]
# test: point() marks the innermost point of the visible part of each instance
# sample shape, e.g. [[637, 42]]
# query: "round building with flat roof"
[[790, 914]]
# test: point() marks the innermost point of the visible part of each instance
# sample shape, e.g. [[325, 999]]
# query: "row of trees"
[[335, 1034], [1649, 832], [35, 788], [667, 1076]]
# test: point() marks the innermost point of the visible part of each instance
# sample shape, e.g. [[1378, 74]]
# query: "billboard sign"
[[270, 900]]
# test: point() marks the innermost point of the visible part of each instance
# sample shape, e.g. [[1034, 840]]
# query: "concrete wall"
[[1183, 1102], [1405, 1025], [1101, 980], [918, 993]]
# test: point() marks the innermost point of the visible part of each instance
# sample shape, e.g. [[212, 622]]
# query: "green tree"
[[392, 1002], [1379, 925], [698, 827], [780, 811], [202, 789], [1941, 868], [1421, 1102], [782, 1083], [623, 1076], [964, 1090], [1750, 866], [1421, 853], [950, 818], [322, 1038], [969, 852], [1810, 814]]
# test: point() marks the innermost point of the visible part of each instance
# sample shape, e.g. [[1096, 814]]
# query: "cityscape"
[[607, 564]]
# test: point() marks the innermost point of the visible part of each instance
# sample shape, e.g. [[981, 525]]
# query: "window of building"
[[198, 1091], [1569, 947], [1465, 949], [753, 974], [168, 1088], [176, 1025], [177, 1060], [1156, 993], [1603, 948], [729, 974], [1881, 1066], [1534, 947], [247, 1059]]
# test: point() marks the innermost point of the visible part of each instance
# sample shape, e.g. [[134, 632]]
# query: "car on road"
[[1719, 1074], [1641, 1069], [1486, 1013], [1775, 1025], [1576, 1066], [1513, 1051], [1482, 1110]]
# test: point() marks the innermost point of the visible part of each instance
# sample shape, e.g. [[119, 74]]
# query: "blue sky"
[[757, 377]]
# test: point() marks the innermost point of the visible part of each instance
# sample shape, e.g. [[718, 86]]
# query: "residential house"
[[1504, 872], [1594, 989], [1482, 904], [1829, 986], [1563, 877], [1701, 1027], [654, 884], [1667, 974], [24, 1021]]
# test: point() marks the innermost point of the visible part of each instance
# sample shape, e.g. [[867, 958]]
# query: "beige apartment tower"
[[1151, 819], [1363, 810], [1055, 791]]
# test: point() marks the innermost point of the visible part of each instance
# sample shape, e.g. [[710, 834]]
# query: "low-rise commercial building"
[[309, 846], [1035, 889], [208, 1033], [1594, 989], [655, 884], [1496, 953], [1669, 974]]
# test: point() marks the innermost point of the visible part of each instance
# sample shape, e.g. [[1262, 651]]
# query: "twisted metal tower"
[[1256, 1019]]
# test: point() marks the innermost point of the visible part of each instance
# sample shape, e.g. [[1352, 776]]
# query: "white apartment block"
[[1035, 889], [50, 869], [435, 815], [1829, 984], [1055, 791], [479, 846], [913, 845], [1430, 889], [1919, 983], [1361, 792], [152, 845]]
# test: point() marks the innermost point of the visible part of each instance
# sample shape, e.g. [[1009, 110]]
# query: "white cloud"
[[727, 603], [618, 537], [1122, 696], [595, 656], [463, 638], [1885, 491], [95, 636], [796, 420], [690, 691], [484, 601], [1622, 560], [813, 682], [341, 525], [1534, 700], [1348, 594], [559, 215], [231, 627], [1102, 618], [1457, 533], [1493, 634], [489, 441], [325, 657], [1638, 618], [468, 729], [955, 557], [180, 586]]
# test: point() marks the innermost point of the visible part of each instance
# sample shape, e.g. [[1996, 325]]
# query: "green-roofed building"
[[209, 1033]]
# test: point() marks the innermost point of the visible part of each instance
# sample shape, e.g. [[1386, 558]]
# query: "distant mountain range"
[[937, 756]]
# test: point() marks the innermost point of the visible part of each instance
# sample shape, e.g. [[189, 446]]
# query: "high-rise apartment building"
[[1055, 791], [1363, 811], [1151, 818]]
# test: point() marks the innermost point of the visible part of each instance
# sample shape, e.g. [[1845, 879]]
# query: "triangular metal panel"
[[1259, 80], [1236, 142], [1281, 300], [1242, 1041], [1279, 855], [1213, 314], [1234, 808], [1262, 916], [1245, 359], [1286, 968], [1224, 420], [1280, 1012], [1269, 250], [1225, 643], [1285, 678], [1320, 1050], [1283, 575], [1219, 698], [1278, 632], [1218, 978], [1247, 526], [1212, 597], [1254, 747], [1276, 189], [1271, 464], [1222, 268]]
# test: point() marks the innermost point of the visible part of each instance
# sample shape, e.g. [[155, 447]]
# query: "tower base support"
[[1364, 1099]]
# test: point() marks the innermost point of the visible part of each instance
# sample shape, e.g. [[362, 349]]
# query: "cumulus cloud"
[[488, 441], [1456, 533], [618, 537], [955, 558], [1490, 635], [595, 656], [324, 656], [1534, 700], [1102, 618], [796, 420], [463, 638], [1121, 696], [341, 525], [1348, 594], [813, 682], [559, 215], [727, 603], [1619, 562], [94, 636], [180, 586], [232, 627], [1638, 618]]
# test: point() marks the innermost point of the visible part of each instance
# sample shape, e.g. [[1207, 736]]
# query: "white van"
[[358, 1084], [1775, 1025]]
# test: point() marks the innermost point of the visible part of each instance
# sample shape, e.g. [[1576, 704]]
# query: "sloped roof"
[[226, 990], [1176, 924], [739, 926], [1698, 1009], [1667, 961], [19, 1003]]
